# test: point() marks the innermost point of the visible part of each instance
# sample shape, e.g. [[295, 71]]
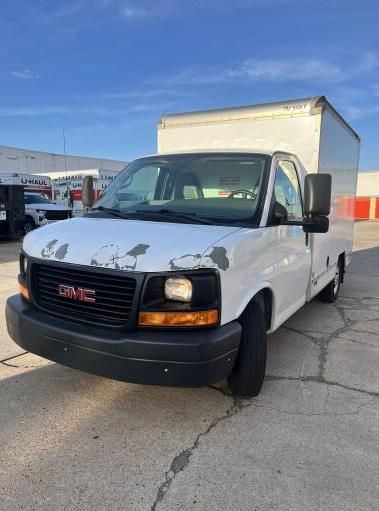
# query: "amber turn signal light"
[[24, 291], [178, 319]]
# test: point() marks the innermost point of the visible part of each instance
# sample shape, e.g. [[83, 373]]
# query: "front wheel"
[[29, 225], [248, 372], [330, 293]]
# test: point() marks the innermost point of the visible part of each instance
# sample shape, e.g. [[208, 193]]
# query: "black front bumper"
[[180, 358]]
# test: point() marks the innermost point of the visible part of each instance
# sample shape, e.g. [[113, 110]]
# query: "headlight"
[[178, 289], [41, 212]]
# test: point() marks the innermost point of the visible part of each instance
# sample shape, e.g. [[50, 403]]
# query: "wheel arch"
[[263, 294], [29, 217]]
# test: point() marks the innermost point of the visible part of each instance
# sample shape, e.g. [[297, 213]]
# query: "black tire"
[[29, 225], [248, 373], [330, 293]]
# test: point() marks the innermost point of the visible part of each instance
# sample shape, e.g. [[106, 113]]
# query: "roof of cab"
[[265, 152]]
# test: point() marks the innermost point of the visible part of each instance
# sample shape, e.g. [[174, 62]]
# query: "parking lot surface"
[[309, 441]]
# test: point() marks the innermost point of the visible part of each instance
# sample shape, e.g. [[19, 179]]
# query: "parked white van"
[[192, 256]]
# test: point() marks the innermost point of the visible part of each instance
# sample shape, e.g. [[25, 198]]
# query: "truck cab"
[[184, 265]]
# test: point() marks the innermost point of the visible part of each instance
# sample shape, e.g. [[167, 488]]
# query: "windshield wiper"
[[182, 215], [111, 211], [192, 217]]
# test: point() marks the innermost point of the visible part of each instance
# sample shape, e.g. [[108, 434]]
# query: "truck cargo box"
[[310, 128]]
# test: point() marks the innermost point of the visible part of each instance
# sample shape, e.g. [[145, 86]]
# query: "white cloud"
[[127, 9], [299, 69], [70, 9], [290, 70], [141, 93], [91, 110], [368, 62], [30, 111], [24, 74], [133, 12], [353, 112]]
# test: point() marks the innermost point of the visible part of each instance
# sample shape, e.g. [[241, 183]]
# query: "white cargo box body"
[[310, 129]]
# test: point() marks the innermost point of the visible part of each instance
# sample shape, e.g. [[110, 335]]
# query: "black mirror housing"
[[88, 192], [316, 224], [280, 213], [317, 194]]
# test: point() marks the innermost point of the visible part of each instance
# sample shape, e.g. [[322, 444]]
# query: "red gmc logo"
[[80, 294]]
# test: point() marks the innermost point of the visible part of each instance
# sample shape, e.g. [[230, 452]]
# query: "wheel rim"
[[336, 280]]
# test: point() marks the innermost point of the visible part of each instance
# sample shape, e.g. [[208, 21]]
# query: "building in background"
[[64, 173], [367, 201], [26, 161]]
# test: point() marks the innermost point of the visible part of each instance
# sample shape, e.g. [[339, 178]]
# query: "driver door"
[[292, 254]]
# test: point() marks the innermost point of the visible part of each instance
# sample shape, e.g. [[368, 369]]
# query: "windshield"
[[222, 188], [36, 198]]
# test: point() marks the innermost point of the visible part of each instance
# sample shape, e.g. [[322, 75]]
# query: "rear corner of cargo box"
[[338, 156]]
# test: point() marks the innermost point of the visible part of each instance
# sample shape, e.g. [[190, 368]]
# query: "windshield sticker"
[[229, 183]]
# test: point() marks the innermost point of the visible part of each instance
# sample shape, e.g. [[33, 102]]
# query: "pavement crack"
[[181, 460], [317, 379], [6, 361], [311, 414], [307, 334], [355, 341]]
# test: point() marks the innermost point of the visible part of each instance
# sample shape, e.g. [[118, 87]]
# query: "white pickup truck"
[[39, 211], [192, 256]]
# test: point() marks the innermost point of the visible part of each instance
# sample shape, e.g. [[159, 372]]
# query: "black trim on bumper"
[[180, 358]]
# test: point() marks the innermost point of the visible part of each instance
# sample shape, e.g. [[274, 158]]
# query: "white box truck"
[[192, 256]]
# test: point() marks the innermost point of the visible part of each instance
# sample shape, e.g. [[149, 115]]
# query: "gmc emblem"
[[80, 294]]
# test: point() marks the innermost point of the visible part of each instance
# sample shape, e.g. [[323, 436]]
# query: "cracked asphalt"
[[310, 440]]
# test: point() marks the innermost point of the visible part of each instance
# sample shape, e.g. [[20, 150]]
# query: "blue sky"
[[106, 69]]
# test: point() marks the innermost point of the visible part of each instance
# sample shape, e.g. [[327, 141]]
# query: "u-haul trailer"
[[193, 255], [68, 189], [31, 183]]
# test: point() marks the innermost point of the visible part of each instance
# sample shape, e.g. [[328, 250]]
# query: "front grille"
[[114, 294], [57, 214]]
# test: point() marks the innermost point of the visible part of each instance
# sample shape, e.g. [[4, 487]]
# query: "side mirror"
[[316, 224], [280, 213], [317, 194], [88, 192]]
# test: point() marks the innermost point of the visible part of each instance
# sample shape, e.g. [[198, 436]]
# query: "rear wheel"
[[330, 293], [248, 372]]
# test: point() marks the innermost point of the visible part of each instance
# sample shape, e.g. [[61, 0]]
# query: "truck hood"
[[130, 245]]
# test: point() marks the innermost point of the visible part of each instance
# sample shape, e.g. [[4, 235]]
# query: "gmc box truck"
[[192, 256]]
